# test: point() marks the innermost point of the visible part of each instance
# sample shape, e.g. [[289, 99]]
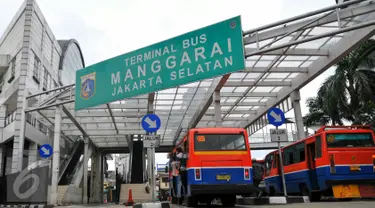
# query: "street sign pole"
[[151, 123], [276, 117], [152, 150], [281, 166]]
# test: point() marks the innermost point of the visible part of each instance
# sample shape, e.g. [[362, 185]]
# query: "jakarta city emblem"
[[88, 85]]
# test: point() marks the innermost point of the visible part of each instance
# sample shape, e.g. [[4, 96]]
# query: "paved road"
[[354, 204]]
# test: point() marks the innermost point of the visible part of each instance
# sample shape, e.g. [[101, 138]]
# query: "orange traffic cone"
[[130, 201]]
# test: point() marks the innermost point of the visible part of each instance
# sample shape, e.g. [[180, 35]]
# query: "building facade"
[[32, 60]]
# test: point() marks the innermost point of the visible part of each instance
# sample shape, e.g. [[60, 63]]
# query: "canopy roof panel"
[[280, 58]]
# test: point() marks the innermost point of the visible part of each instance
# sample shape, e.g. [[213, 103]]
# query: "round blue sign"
[[151, 123], [276, 117], [45, 151]]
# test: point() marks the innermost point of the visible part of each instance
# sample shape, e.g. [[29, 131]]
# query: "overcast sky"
[[107, 28]]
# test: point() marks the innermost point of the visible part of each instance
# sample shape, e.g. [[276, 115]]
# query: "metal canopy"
[[281, 58]]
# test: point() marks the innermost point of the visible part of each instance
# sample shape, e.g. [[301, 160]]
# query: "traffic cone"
[[130, 201]]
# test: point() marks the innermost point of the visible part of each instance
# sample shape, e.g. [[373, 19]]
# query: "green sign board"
[[205, 53]]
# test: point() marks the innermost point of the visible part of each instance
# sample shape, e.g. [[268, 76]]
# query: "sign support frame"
[[276, 117], [151, 124]]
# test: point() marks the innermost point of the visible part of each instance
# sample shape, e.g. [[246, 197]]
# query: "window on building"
[[13, 67], [36, 70], [50, 82], [45, 79], [12, 70]]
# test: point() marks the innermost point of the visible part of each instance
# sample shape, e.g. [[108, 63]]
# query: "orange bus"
[[218, 166], [337, 161]]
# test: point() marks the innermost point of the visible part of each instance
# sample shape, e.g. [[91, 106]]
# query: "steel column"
[[85, 170], [218, 120], [56, 156], [296, 97]]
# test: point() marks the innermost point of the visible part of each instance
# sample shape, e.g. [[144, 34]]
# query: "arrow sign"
[[151, 123], [276, 117], [46, 151]]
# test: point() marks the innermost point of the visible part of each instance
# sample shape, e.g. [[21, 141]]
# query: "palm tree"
[[345, 94]]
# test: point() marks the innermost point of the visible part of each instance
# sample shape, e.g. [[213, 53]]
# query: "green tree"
[[347, 93]]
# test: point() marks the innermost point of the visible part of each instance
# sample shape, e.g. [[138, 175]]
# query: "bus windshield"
[[350, 140], [217, 142]]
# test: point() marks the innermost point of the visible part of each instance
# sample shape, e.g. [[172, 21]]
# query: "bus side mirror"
[[166, 169]]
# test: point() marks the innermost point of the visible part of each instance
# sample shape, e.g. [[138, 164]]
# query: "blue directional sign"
[[151, 123], [276, 117], [46, 151]]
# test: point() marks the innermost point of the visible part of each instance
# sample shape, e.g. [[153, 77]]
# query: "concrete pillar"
[[144, 163], [56, 156], [296, 97], [23, 68], [98, 187], [33, 152], [149, 167], [85, 170], [92, 176], [218, 120]]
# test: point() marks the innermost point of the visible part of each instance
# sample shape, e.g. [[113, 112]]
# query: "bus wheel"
[[313, 196], [174, 200], [272, 191], [228, 201], [345, 199], [305, 191], [191, 201]]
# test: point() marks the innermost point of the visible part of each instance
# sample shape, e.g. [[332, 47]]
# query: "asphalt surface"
[[352, 204]]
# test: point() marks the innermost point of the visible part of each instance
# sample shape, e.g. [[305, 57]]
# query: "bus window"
[[294, 154], [350, 140], [318, 147], [277, 161], [217, 142], [288, 155], [299, 153], [268, 164], [186, 146]]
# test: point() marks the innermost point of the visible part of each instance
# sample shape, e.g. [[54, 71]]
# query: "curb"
[[153, 204], [25, 206], [272, 200]]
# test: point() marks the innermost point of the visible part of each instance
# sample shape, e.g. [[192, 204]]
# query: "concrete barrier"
[[25, 206], [153, 205], [272, 200]]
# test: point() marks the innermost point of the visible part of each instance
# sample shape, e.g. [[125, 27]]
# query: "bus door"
[[312, 166], [276, 165]]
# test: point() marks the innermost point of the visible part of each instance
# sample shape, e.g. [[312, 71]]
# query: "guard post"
[[276, 117]]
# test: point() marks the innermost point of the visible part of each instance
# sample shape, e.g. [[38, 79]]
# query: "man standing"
[[181, 156], [257, 173]]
